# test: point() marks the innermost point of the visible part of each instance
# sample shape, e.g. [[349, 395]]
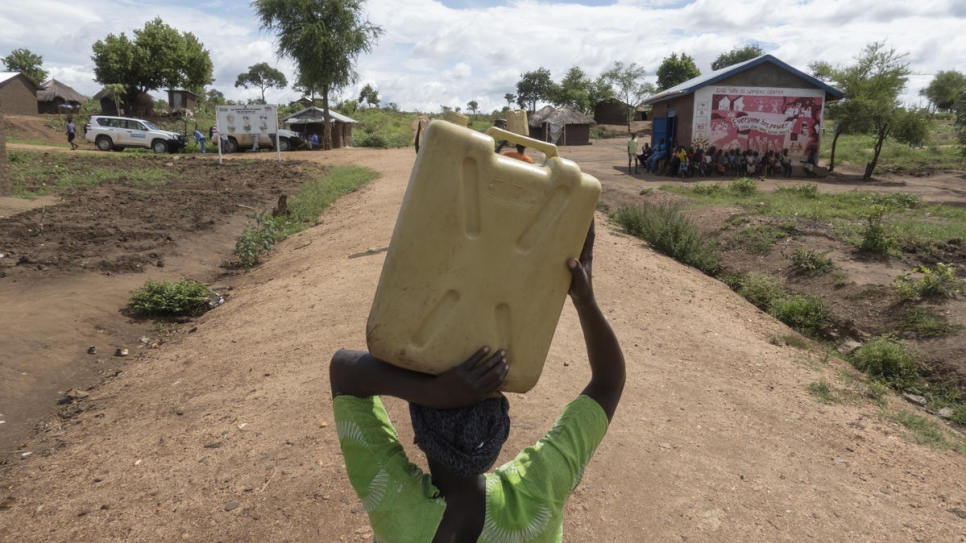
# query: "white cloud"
[[432, 55]]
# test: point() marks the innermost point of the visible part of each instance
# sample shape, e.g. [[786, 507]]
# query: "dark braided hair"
[[466, 440]]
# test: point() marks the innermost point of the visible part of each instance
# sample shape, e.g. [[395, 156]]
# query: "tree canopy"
[[627, 82], [945, 90], [675, 70], [27, 63], [369, 95], [324, 38], [533, 87], [159, 57], [736, 55], [262, 76], [509, 97], [872, 87]]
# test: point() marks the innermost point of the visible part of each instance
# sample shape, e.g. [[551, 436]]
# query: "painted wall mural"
[[758, 119]]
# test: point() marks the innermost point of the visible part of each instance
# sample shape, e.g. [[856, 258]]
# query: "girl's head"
[[466, 440]]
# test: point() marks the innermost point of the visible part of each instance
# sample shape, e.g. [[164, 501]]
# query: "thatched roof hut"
[[561, 126], [56, 97], [311, 120]]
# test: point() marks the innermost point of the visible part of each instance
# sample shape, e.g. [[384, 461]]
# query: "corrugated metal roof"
[[711, 78], [314, 114]]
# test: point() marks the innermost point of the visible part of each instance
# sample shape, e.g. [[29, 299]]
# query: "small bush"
[[164, 298], [805, 314], [760, 289], [257, 241], [370, 140], [888, 359], [666, 228], [939, 283], [707, 190], [811, 262], [744, 186], [807, 190], [822, 390], [876, 237]]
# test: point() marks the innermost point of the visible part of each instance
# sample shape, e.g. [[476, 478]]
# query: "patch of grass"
[[34, 174], [760, 289], [926, 323], [877, 392], [856, 149], [877, 237], [305, 209], [925, 431], [744, 186], [823, 392], [889, 360], [170, 299], [790, 340], [668, 230], [645, 192], [758, 238], [939, 283], [811, 262], [804, 314]]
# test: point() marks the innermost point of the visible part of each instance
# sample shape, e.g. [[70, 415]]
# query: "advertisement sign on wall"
[[251, 126], [758, 119]]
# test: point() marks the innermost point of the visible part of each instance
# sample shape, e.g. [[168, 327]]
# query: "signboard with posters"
[[250, 126], [758, 119]]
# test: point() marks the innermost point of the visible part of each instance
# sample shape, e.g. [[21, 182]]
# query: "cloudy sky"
[[449, 52]]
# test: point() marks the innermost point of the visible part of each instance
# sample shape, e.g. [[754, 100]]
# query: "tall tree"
[[473, 106], [215, 96], [574, 91], [533, 87], [263, 76], [509, 97], [27, 63], [324, 38], [628, 84], [872, 87], [675, 70], [736, 55], [160, 57], [961, 122], [945, 89], [369, 95]]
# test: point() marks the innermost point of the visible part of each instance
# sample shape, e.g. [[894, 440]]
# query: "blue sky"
[[449, 52]]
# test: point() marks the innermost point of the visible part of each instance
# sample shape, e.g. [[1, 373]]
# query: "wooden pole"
[[4, 171]]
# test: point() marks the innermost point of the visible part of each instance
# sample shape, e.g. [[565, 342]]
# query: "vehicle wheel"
[[284, 145], [159, 146], [104, 143], [232, 145]]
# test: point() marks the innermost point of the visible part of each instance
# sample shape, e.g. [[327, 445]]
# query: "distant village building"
[[143, 106], [18, 94], [760, 105], [182, 100], [312, 121], [561, 126], [57, 97]]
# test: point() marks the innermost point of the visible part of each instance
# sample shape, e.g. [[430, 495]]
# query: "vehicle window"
[[117, 123], [150, 126], [134, 125], [103, 122]]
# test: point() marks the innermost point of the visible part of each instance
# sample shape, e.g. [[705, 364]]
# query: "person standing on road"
[[71, 133], [461, 421], [632, 153]]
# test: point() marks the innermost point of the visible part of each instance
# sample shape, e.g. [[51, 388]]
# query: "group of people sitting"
[[678, 161]]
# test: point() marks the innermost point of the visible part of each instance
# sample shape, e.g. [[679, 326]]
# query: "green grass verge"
[[34, 174], [305, 209]]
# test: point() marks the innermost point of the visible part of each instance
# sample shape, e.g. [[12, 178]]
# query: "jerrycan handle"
[[546, 148]]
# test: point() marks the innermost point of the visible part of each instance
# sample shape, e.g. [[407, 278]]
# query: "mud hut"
[[57, 97], [18, 94], [561, 126], [311, 120]]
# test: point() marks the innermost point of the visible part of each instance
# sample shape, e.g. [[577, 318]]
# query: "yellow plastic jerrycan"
[[478, 255]]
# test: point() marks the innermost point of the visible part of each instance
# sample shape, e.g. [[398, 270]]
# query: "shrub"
[[744, 186], [760, 289], [666, 228], [925, 323], [258, 240], [875, 236], [807, 190], [805, 314], [810, 262], [164, 298], [822, 390], [888, 359], [713, 189], [941, 282]]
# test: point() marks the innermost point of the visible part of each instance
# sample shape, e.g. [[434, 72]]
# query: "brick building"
[[18, 94]]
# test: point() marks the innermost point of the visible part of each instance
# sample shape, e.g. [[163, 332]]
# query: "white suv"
[[116, 133]]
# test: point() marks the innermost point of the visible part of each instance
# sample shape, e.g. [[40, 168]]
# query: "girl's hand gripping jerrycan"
[[478, 255]]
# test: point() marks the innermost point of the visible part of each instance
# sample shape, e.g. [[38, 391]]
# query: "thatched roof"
[[53, 89], [561, 115], [104, 93]]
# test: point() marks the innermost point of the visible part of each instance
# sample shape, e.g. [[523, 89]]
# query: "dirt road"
[[225, 433]]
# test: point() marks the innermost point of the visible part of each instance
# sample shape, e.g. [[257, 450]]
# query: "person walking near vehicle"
[[460, 421], [632, 152], [200, 139], [71, 133]]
